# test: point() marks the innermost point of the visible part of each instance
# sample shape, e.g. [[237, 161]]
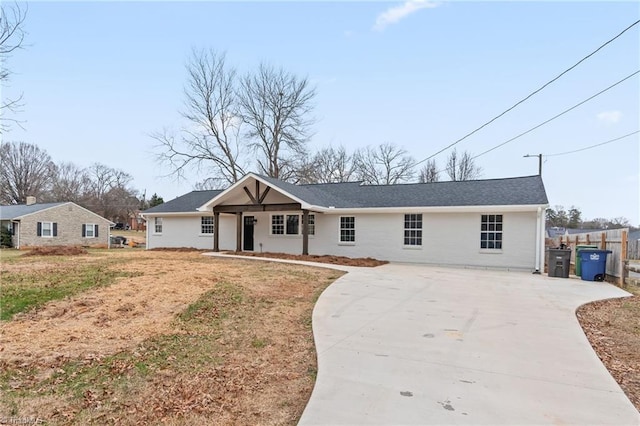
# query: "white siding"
[[448, 238], [184, 231]]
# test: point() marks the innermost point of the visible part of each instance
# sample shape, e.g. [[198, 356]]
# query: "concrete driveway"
[[405, 344]]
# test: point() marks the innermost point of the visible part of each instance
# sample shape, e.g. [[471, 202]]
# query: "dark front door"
[[248, 233]]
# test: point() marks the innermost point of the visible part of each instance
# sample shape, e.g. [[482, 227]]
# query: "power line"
[[531, 94], [557, 115], [592, 146]]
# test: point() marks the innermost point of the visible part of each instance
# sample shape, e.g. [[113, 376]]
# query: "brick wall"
[[69, 218]]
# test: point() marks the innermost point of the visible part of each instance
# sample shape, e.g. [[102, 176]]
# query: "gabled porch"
[[251, 197]]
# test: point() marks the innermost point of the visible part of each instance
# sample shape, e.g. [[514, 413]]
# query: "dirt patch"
[[56, 251], [187, 339], [335, 260], [613, 329], [179, 249]]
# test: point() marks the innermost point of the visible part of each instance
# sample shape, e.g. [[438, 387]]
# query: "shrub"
[[5, 238]]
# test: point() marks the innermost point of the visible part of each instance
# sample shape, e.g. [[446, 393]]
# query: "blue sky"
[[99, 77]]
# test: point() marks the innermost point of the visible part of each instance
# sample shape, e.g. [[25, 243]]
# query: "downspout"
[[538, 241], [146, 231], [16, 234]]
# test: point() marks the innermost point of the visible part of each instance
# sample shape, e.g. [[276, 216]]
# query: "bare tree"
[[206, 184], [109, 193], [275, 105], [429, 172], [328, 165], [69, 183], [11, 38], [211, 142], [386, 164], [462, 167], [25, 170]]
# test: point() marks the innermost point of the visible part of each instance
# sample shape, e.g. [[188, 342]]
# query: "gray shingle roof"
[[527, 190], [321, 194], [185, 203], [18, 210]]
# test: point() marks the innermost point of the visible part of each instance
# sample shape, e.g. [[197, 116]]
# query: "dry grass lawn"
[[179, 338], [173, 337]]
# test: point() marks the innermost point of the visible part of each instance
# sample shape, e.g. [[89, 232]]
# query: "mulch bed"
[[56, 251], [613, 329], [334, 260]]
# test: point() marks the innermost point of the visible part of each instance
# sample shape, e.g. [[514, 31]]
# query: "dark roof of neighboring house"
[[509, 191], [185, 203], [635, 235], [17, 210], [555, 231]]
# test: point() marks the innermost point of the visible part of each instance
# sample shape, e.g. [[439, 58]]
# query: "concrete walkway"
[[405, 344]]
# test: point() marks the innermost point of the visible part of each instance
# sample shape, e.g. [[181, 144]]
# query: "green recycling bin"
[[579, 260]]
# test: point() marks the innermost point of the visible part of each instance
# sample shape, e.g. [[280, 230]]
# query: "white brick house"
[[53, 224], [485, 223]]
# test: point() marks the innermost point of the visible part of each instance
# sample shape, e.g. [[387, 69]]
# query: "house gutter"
[[429, 209]]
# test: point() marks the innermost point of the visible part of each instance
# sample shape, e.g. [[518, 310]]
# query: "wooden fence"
[[614, 239], [633, 250]]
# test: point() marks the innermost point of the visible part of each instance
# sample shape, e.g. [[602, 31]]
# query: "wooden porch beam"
[[239, 231], [216, 231], [305, 232], [257, 208], [264, 195], [251, 197]]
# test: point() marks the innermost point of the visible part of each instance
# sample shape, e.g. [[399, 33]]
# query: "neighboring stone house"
[[53, 224], [487, 223]]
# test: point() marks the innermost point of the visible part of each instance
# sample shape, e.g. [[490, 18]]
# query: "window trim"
[[50, 230], [340, 229], [495, 231], [285, 216], [93, 230], [271, 224], [297, 225], [416, 229], [157, 221], [310, 226], [207, 225]]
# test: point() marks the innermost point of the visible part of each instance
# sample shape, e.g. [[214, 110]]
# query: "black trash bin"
[[559, 260]]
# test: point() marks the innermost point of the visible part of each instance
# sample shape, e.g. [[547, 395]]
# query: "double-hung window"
[[90, 230], [206, 225], [491, 231], [347, 229], [290, 224], [158, 225], [47, 229], [293, 221], [277, 224], [311, 227], [413, 229]]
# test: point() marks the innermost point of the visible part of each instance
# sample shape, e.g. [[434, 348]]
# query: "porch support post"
[[216, 231], [305, 232], [239, 231]]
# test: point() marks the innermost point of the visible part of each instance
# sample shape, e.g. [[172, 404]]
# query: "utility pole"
[[539, 162]]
